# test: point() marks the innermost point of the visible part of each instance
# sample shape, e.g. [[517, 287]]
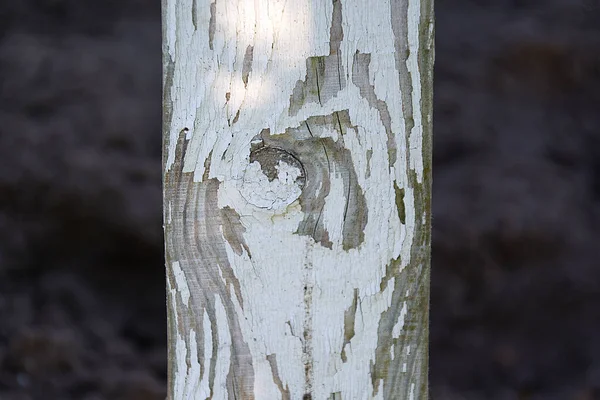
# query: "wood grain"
[[297, 174]]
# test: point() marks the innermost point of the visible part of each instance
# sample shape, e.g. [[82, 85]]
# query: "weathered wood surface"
[[297, 156]]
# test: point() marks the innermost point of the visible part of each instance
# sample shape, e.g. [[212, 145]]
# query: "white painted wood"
[[297, 197]]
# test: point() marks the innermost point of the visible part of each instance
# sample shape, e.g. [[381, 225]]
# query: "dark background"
[[516, 250]]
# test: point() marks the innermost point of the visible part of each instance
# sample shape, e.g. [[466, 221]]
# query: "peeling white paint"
[[416, 135], [333, 212], [405, 365], [180, 350], [277, 194], [399, 326], [204, 388], [182, 370], [224, 358], [273, 313], [208, 95], [192, 379], [180, 282], [169, 213]]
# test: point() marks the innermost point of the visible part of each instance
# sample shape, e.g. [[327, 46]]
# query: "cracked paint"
[[296, 182]]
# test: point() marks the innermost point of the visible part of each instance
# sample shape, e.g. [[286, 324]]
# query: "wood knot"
[[270, 160], [274, 178]]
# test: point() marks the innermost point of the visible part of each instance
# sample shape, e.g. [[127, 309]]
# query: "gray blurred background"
[[516, 251]]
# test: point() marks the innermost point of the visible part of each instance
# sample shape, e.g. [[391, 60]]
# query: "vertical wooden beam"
[[297, 186]]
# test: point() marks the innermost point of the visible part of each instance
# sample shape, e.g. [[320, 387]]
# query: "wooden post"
[[297, 175]]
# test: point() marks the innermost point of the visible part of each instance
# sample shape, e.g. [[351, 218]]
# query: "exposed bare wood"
[[297, 174]]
